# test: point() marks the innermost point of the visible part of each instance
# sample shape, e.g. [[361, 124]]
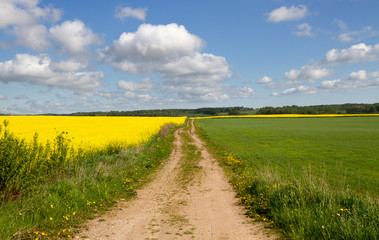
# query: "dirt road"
[[203, 208]]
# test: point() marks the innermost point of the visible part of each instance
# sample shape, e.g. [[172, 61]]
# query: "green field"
[[312, 177]]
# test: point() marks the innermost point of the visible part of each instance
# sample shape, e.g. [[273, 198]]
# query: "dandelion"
[[20, 214], [52, 206], [51, 219], [73, 214], [338, 214]]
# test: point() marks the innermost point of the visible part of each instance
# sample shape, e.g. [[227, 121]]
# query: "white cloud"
[[126, 12], [68, 66], [34, 37], [356, 53], [355, 80], [39, 70], [175, 54], [304, 30], [3, 97], [25, 12], [299, 90], [74, 36], [309, 73], [341, 24], [145, 50], [282, 84], [197, 68], [144, 97], [353, 36], [243, 92], [356, 36], [264, 80], [144, 85], [287, 14]]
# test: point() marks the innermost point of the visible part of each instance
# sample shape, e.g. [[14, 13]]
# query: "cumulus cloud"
[[73, 36], [264, 80], [287, 14], [197, 68], [304, 30], [126, 12], [298, 90], [282, 84], [68, 66], [25, 13], [309, 73], [355, 53], [356, 80], [243, 92], [34, 37], [40, 70], [150, 46], [144, 85], [175, 54]]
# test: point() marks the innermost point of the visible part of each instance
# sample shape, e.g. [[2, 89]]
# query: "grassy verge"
[[190, 160], [302, 176], [54, 206]]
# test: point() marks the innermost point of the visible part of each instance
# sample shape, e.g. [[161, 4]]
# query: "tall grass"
[[48, 191], [309, 198]]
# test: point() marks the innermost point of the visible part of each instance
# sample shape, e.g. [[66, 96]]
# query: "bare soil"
[[203, 208]]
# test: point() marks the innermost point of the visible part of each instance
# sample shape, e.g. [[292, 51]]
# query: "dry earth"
[[203, 208]]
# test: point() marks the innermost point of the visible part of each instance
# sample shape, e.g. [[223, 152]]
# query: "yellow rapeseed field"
[[89, 132]]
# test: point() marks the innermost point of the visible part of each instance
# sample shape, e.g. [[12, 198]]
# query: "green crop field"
[[311, 177]]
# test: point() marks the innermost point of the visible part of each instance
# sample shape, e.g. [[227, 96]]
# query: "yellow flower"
[[20, 214], [52, 206], [73, 214], [51, 219], [338, 214]]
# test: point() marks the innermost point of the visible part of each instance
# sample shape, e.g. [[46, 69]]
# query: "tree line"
[[348, 108]]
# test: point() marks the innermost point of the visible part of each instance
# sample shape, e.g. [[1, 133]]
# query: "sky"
[[93, 55]]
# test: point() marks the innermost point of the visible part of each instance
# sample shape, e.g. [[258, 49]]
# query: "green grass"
[[58, 203], [189, 163], [315, 178]]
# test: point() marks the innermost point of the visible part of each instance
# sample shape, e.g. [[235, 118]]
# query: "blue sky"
[[91, 55]]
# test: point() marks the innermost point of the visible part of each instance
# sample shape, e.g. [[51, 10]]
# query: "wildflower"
[[338, 214], [51, 219], [52, 206], [20, 214], [73, 214]]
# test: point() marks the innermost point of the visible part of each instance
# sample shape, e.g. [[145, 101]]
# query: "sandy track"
[[165, 209]]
